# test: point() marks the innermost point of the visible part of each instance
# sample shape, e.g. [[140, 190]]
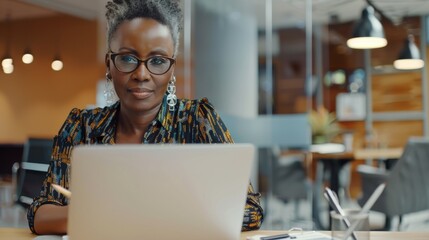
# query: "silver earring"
[[171, 97], [109, 91]]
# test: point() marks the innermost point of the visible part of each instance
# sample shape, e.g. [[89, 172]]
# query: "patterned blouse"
[[192, 121]]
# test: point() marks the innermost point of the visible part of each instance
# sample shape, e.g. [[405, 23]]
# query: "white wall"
[[226, 58]]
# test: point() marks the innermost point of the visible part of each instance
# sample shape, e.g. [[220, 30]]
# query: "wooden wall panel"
[[386, 134], [397, 92], [396, 133], [289, 72], [34, 99]]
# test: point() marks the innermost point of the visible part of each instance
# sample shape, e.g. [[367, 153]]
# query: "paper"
[[51, 237], [48, 237], [299, 236]]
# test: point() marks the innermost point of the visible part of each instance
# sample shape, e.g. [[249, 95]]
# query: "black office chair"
[[407, 183], [30, 175], [290, 181]]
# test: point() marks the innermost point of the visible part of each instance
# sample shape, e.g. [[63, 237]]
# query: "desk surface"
[[375, 235], [363, 153], [25, 234], [342, 156], [378, 153]]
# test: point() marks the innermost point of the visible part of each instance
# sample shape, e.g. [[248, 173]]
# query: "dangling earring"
[[171, 97], [109, 91]]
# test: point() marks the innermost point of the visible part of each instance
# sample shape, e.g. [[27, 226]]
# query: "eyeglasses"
[[126, 63]]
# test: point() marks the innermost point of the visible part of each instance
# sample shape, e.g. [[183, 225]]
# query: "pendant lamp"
[[27, 57], [368, 32], [7, 61], [57, 64], [7, 64], [409, 57]]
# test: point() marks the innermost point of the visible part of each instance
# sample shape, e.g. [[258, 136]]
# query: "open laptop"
[[192, 191]]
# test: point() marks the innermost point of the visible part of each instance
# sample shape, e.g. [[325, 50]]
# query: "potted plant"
[[323, 124]]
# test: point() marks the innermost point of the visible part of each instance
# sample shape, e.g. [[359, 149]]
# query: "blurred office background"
[[268, 66]]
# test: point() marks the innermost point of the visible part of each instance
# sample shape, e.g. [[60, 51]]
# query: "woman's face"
[[141, 90]]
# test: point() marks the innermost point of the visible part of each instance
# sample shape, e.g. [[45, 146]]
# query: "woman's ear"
[[173, 69], [107, 61]]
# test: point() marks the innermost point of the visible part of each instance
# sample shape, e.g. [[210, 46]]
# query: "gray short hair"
[[166, 12]]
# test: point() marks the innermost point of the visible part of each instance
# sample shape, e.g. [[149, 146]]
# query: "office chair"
[[30, 174], [407, 183], [290, 181]]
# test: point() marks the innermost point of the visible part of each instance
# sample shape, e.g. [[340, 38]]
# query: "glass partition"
[[261, 63], [250, 60]]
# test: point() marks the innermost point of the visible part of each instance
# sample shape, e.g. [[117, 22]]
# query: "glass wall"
[[250, 60], [265, 65]]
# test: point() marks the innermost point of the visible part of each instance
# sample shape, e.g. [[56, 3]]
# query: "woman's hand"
[[51, 219]]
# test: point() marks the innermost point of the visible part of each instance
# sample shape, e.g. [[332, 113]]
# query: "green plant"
[[323, 124]]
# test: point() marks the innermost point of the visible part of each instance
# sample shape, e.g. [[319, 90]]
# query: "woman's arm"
[[253, 213], [48, 212], [51, 219], [48, 198]]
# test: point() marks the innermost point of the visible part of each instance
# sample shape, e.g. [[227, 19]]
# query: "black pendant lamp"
[[409, 57], [368, 32]]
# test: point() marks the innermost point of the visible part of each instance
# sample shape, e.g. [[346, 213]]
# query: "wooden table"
[[335, 162], [25, 234], [16, 234], [378, 153]]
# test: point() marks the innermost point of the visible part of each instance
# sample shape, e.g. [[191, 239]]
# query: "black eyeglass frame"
[[140, 61]]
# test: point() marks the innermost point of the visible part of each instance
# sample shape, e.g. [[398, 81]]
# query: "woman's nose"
[[141, 73]]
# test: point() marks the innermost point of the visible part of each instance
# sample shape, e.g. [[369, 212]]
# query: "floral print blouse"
[[192, 121]]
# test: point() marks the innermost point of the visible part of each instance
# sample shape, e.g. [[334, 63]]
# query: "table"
[[25, 234], [374, 235], [335, 161], [16, 234], [378, 153]]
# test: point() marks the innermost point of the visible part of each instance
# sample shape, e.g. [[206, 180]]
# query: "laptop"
[[190, 191]]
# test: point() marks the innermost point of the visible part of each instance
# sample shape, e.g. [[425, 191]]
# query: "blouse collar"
[[105, 132]]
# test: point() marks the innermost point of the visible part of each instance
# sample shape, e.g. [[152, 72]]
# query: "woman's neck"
[[133, 125]]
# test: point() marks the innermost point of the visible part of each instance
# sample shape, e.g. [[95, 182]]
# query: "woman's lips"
[[140, 93]]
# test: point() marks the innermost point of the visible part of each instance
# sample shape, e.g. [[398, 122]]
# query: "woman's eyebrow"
[[153, 52], [158, 52], [126, 49]]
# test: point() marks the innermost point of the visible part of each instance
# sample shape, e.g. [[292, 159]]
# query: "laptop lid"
[[192, 191]]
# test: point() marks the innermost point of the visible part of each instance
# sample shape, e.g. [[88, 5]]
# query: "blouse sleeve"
[[59, 166], [211, 129]]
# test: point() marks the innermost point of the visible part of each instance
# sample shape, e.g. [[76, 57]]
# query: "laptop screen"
[[159, 191]]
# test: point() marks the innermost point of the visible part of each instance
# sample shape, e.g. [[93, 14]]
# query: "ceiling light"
[[7, 61], [8, 69], [409, 57], [368, 32], [57, 64], [27, 57]]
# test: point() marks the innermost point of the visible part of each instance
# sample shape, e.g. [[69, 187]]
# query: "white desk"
[[25, 234]]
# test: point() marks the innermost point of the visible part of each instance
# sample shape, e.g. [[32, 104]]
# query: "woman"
[[143, 38]]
